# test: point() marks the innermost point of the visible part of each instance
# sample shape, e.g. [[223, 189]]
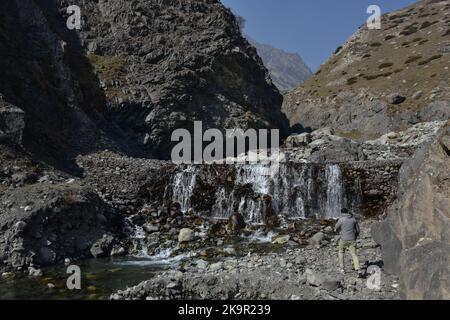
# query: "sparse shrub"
[[435, 57], [409, 30], [447, 33], [413, 59], [375, 44], [423, 41], [417, 40], [353, 134], [398, 70], [389, 37], [352, 81], [109, 67], [406, 43], [427, 24], [385, 65], [399, 16], [376, 76], [367, 55]]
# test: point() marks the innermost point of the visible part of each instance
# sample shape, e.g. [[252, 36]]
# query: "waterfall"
[[298, 190], [183, 187], [334, 201]]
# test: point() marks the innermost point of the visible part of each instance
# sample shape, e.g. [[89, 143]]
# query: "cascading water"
[[296, 190], [183, 187], [334, 200]]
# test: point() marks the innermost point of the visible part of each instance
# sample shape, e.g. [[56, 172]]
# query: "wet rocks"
[[102, 247]]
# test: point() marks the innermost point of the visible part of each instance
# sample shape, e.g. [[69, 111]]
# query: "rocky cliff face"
[[287, 70], [415, 235], [163, 65], [133, 73], [381, 80]]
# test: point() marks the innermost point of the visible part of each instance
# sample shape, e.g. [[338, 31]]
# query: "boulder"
[[102, 247], [314, 278], [299, 140], [281, 240], [317, 238], [396, 99], [185, 235]]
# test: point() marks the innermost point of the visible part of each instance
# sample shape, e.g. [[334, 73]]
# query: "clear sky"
[[313, 28]]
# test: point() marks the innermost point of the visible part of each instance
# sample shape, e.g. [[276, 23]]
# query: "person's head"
[[344, 211]]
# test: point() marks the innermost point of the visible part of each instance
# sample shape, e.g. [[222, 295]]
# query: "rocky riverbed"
[[278, 269]]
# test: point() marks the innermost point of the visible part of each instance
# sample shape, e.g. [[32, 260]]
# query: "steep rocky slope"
[[287, 70], [165, 64], [360, 91], [133, 73], [415, 236]]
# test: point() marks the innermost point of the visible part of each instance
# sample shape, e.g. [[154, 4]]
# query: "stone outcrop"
[[42, 224], [415, 235]]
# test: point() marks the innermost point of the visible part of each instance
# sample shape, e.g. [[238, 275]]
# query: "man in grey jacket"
[[349, 230]]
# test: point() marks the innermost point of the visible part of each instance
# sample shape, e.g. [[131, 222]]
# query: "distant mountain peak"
[[287, 70]]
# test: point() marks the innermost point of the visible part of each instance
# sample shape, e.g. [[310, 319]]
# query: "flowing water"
[[99, 279], [297, 190]]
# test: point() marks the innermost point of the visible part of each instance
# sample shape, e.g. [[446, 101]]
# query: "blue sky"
[[313, 28]]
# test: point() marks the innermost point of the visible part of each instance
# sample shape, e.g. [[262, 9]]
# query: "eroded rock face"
[[415, 235]]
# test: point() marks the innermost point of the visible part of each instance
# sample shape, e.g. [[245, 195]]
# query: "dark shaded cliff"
[[133, 73]]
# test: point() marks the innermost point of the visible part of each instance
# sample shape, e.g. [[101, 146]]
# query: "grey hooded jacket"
[[348, 226]]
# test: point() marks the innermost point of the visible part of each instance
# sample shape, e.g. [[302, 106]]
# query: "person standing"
[[349, 230]]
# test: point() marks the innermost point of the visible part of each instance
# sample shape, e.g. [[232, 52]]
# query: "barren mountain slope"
[[360, 90]]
